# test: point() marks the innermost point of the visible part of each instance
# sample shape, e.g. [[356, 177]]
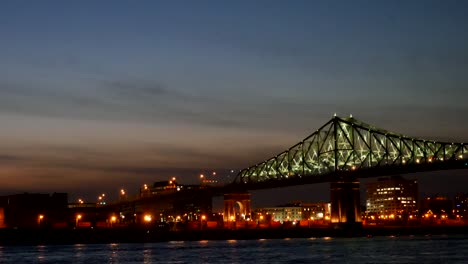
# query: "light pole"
[[39, 220], [202, 219], [78, 217]]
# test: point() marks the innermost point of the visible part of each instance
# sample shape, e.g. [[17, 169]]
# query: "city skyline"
[[99, 96]]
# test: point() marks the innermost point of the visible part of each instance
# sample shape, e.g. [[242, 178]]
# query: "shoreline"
[[12, 237]]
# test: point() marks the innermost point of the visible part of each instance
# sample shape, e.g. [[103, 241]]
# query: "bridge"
[[340, 152]]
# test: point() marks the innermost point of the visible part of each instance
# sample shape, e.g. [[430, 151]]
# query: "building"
[[437, 206], [392, 196], [295, 212], [280, 214], [160, 188], [316, 211], [32, 210], [461, 205]]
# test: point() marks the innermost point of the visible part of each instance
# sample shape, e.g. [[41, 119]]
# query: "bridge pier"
[[230, 201], [345, 204]]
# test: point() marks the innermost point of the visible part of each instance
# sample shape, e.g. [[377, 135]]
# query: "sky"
[[96, 96]]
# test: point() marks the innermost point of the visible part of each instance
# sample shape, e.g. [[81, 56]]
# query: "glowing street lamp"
[[113, 220], [147, 218], [39, 219], [78, 218]]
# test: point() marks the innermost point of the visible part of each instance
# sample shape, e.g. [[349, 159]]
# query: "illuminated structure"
[[231, 200], [441, 207], [160, 187], [347, 145], [345, 149], [345, 202], [392, 196], [281, 213], [295, 212], [461, 206], [316, 211]]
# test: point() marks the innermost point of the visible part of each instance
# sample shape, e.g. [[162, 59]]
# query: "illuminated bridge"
[[345, 149], [348, 147]]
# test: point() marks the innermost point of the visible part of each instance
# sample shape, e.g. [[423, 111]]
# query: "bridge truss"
[[347, 145]]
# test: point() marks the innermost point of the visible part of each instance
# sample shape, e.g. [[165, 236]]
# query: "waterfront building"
[[280, 214], [392, 196], [295, 212], [461, 205], [316, 211], [32, 210], [437, 206]]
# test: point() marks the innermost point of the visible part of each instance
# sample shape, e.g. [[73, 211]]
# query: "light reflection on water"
[[435, 249]]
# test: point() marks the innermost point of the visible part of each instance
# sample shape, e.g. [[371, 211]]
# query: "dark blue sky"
[[114, 94]]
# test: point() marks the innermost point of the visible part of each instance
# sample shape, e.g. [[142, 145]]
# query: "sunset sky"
[[100, 95]]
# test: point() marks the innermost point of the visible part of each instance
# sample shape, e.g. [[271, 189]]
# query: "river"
[[407, 249]]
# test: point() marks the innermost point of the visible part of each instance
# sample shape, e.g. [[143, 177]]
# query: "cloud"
[[10, 158]]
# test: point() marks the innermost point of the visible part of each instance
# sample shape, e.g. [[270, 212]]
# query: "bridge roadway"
[[339, 175]]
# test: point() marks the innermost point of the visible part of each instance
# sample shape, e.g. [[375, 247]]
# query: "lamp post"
[[39, 220], [113, 220], [78, 218], [202, 219]]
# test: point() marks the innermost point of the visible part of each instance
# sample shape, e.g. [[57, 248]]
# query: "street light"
[[39, 219], [78, 218], [113, 219], [147, 218]]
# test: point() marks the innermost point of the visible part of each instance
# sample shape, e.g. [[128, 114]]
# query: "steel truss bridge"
[[347, 147]]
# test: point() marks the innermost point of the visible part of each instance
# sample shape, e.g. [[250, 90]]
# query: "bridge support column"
[[345, 203], [230, 202]]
